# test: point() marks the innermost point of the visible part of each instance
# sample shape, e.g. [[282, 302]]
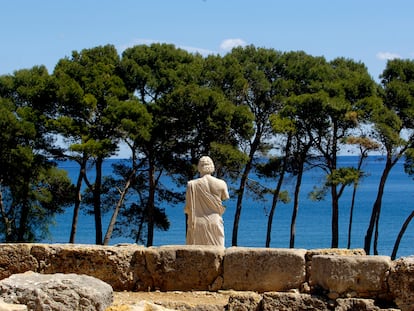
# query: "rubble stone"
[[244, 301], [292, 301], [63, 292], [401, 283]]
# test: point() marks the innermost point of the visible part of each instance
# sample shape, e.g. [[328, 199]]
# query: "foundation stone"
[[263, 269]]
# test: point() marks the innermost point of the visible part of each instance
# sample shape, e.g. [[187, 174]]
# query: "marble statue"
[[204, 206]]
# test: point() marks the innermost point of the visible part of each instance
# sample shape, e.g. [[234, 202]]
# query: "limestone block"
[[353, 276], [15, 258], [122, 267], [292, 301], [330, 251], [244, 301], [401, 283], [352, 304], [63, 292], [185, 267], [263, 269]]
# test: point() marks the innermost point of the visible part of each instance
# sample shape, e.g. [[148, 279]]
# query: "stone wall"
[[332, 274]]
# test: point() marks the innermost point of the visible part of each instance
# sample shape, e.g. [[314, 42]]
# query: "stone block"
[[292, 301], [244, 301], [351, 276], [401, 283], [16, 258], [121, 266], [353, 304], [263, 269], [329, 251], [185, 267]]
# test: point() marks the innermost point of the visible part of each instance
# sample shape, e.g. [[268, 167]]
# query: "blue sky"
[[43, 31]]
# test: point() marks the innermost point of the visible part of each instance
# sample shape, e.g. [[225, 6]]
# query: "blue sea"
[[313, 225]]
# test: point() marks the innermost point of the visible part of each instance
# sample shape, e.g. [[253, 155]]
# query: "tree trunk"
[[351, 214], [112, 222], [296, 205], [151, 205], [6, 221], [114, 216], [140, 226], [97, 201], [276, 193], [273, 208], [376, 233], [335, 217], [24, 215], [239, 203], [377, 205], [400, 235], [332, 165], [240, 192], [78, 199], [354, 190]]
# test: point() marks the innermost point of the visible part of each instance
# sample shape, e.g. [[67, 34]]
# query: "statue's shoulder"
[[193, 181], [218, 180]]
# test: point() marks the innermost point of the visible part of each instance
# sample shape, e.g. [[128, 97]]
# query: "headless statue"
[[204, 206]]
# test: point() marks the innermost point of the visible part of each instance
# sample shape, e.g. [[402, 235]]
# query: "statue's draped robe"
[[204, 209]]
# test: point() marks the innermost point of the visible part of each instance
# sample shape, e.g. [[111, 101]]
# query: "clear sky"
[[40, 32]]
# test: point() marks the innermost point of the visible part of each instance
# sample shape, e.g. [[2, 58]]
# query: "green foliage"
[[54, 190], [393, 121], [132, 120], [228, 159], [87, 84], [284, 197], [257, 190], [154, 70], [282, 125], [398, 79], [15, 136], [32, 188], [388, 126], [318, 193], [365, 144], [31, 92], [164, 79], [271, 168], [409, 162], [343, 176], [89, 90], [398, 94]]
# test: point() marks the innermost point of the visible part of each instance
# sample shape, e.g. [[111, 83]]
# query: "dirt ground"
[[122, 299]]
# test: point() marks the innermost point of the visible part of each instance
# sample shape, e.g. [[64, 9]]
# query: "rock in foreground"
[[63, 292]]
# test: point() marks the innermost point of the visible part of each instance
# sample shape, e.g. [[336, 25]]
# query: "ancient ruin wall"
[[330, 273]]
